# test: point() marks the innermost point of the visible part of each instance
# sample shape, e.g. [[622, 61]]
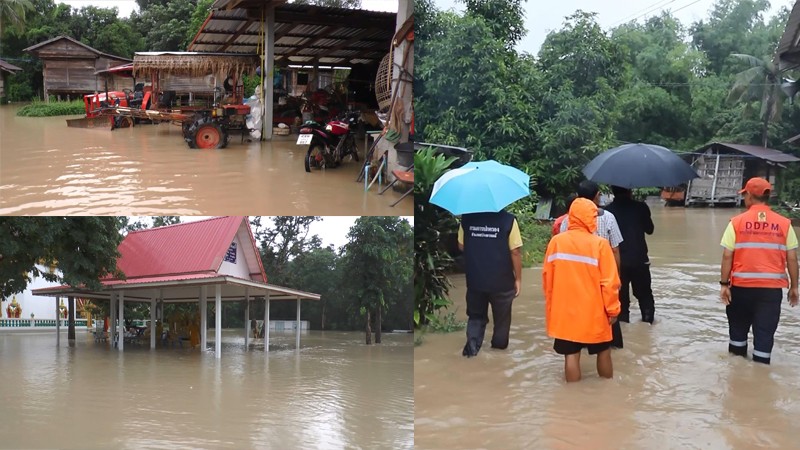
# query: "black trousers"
[[637, 277], [759, 308], [478, 313]]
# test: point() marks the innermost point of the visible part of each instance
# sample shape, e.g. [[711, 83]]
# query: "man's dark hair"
[[588, 189], [621, 192], [570, 199], [762, 198]]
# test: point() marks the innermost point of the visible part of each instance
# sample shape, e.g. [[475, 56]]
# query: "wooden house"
[[724, 168], [70, 68], [5, 70]]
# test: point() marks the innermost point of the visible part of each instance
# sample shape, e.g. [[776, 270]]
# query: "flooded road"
[[47, 168], [674, 386], [335, 393]]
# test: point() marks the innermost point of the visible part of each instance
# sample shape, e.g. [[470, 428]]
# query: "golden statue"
[[63, 310], [13, 310]]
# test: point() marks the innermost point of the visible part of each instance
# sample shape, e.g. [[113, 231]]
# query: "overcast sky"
[[127, 6], [331, 229], [543, 17]]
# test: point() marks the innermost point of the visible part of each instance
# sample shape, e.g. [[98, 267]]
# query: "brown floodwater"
[[47, 168], [674, 385], [334, 393]]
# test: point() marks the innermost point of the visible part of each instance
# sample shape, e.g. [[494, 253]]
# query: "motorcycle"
[[328, 145]]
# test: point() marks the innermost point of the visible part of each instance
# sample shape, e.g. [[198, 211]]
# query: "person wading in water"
[[492, 245], [581, 289], [759, 246]]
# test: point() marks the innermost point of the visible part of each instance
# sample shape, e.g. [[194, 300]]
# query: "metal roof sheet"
[[768, 154], [184, 249], [343, 35]]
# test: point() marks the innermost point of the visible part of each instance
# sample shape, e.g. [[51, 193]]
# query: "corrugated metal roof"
[[184, 249], [35, 48], [8, 67], [768, 154], [345, 35]]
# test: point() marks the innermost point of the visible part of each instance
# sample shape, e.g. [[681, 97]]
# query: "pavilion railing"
[[38, 323]]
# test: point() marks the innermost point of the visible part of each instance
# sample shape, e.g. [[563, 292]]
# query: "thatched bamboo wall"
[[194, 64]]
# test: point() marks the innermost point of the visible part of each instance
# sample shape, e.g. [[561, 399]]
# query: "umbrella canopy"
[[480, 187], [639, 165]]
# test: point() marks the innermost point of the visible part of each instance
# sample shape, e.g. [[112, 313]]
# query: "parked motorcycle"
[[328, 145]]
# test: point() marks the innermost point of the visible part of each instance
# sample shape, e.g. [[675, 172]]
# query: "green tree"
[[83, 248], [505, 18], [760, 83], [199, 16], [734, 26], [13, 15], [162, 221], [287, 238], [166, 23], [376, 264]]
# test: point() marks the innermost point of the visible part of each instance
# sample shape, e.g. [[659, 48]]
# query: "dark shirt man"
[[491, 243], [634, 222]]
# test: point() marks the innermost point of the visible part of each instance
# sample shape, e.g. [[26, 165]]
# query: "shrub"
[[42, 109]]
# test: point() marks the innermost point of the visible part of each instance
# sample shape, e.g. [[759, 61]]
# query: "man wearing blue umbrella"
[[492, 245]]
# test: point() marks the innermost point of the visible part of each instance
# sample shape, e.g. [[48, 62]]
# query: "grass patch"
[[535, 236], [42, 109], [446, 323], [442, 323]]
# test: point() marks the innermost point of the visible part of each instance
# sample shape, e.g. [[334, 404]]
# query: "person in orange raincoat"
[[581, 288]]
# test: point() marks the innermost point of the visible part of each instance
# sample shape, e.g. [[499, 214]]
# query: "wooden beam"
[[352, 20]]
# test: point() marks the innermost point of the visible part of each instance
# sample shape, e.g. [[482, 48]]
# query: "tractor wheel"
[[206, 133]]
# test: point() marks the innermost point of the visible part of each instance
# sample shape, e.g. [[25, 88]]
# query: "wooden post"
[[267, 69], [71, 323]]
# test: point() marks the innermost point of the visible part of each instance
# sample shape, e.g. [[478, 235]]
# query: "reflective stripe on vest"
[[771, 276], [760, 245], [572, 257]]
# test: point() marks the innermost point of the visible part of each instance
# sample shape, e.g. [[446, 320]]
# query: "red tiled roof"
[[186, 250]]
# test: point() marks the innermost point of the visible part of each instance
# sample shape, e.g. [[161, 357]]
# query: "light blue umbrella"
[[521, 177], [480, 187]]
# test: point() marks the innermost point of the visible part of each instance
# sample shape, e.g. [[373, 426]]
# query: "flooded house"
[[724, 168], [70, 68], [5, 70]]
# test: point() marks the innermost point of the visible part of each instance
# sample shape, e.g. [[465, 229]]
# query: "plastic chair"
[[404, 176]]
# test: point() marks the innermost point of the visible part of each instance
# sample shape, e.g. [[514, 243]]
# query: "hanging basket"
[[383, 82]]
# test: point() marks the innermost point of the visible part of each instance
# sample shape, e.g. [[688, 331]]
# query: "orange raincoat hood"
[[583, 215]]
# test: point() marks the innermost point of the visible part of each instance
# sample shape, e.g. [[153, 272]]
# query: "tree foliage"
[[83, 248], [377, 264]]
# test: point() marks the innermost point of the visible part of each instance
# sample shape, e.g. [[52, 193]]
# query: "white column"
[[266, 322], [58, 323], [112, 326], [246, 319], [121, 320], [269, 67], [218, 325], [203, 317], [297, 331], [153, 321]]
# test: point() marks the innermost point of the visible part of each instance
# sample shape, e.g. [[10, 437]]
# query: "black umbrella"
[[639, 165]]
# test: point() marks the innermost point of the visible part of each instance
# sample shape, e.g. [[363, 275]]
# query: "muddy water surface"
[[674, 386], [334, 393], [48, 168]]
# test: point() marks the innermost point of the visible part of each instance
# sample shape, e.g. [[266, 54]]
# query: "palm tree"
[[12, 14], [760, 83]]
